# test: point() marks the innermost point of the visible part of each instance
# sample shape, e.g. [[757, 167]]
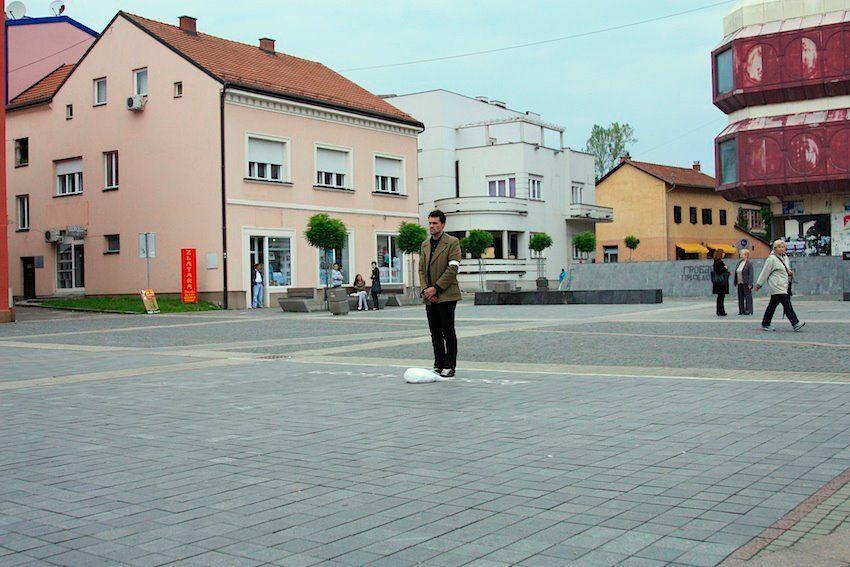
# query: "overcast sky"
[[655, 76]]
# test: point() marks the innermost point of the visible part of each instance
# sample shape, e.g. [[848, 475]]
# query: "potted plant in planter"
[[327, 233], [475, 244], [410, 239], [540, 242]]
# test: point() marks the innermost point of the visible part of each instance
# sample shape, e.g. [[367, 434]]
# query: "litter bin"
[[338, 301]]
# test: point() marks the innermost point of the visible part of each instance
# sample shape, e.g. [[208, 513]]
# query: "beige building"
[[209, 144], [674, 212]]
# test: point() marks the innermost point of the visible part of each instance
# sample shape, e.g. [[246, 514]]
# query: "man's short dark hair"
[[438, 214]]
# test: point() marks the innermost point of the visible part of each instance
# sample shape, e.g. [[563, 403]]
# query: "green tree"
[[475, 244], [540, 242], [325, 233], [409, 240], [609, 144], [585, 242], [631, 243]]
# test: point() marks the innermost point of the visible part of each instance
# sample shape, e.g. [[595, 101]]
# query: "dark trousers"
[[441, 322], [375, 302], [721, 309], [775, 300], [745, 300]]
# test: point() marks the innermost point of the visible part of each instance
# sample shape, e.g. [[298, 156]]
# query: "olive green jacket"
[[444, 267]]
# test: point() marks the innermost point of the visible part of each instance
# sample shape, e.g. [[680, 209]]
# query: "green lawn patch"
[[129, 303]]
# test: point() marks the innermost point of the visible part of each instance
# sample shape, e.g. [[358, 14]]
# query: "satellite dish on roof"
[[16, 11], [57, 7]]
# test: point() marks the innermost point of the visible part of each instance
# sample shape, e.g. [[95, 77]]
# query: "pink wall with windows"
[[35, 50]]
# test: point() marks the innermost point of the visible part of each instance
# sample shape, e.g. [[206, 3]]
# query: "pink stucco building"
[[210, 144], [38, 46]]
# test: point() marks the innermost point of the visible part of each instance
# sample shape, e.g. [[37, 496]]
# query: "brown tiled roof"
[[275, 73], [678, 176], [43, 90]]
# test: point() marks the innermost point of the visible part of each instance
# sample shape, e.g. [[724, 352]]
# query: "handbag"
[[790, 276]]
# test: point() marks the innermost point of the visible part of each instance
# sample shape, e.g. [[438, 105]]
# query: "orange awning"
[[692, 248]]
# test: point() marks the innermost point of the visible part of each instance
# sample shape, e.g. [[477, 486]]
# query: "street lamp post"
[[6, 313]]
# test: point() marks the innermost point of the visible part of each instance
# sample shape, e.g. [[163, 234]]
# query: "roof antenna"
[[16, 11], [57, 7]]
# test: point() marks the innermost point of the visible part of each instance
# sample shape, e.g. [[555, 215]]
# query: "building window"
[[501, 186], [332, 168], [725, 74], [728, 161], [23, 210], [577, 195], [341, 256], [610, 254], [677, 214], [280, 261], [706, 216], [69, 177], [723, 217], [267, 159], [99, 92], [388, 175], [22, 152], [693, 215], [113, 244], [578, 254], [390, 259], [110, 170], [178, 89], [70, 266], [140, 82], [535, 188], [69, 111]]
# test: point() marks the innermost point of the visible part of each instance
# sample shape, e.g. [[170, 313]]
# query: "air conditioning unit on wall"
[[136, 102], [52, 235]]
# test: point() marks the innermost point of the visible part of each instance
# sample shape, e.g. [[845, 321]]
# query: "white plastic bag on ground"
[[421, 376]]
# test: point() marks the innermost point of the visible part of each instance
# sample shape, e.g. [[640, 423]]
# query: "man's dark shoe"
[[448, 373]]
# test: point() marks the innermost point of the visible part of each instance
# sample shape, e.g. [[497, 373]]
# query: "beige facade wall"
[[638, 203], [168, 166]]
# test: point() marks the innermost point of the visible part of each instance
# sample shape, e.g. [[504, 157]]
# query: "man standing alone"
[[439, 261]]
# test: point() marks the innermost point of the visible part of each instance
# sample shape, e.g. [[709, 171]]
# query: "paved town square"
[[582, 435]]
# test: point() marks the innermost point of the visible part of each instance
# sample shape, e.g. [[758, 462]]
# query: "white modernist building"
[[492, 168]]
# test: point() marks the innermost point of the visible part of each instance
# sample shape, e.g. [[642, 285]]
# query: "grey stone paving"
[[291, 463]]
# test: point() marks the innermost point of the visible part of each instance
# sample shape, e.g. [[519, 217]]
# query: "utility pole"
[[6, 313]]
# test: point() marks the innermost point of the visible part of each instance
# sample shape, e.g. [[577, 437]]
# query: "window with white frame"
[[99, 91], [140, 82], [577, 194], [611, 254], [69, 111], [578, 254], [388, 175], [110, 170], [332, 168], [22, 152], [535, 188], [501, 186], [70, 266], [341, 256], [390, 259], [22, 203], [69, 177], [178, 89], [267, 159]]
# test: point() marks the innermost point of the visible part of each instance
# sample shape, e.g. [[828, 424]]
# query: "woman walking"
[[779, 277], [744, 283], [376, 286], [720, 282], [360, 292]]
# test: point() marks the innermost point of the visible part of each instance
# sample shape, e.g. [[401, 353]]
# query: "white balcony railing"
[[593, 213], [496, 266], [483, 204]]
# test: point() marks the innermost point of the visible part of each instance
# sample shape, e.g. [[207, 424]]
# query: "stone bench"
[[383, 301]]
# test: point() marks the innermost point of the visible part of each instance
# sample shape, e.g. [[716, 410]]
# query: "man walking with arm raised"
[[439, 261]]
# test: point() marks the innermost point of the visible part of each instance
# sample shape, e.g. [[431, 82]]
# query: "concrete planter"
[[338, 301], [542, 284]]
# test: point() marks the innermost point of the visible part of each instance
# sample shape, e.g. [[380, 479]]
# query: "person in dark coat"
[[376, 286], [744, 283], [720, 282]]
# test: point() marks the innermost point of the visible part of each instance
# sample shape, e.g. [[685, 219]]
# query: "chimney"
[[189, 24], [697, 166], [267, 44]]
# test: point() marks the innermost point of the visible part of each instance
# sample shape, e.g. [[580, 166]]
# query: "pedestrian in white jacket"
[[778, 276]]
